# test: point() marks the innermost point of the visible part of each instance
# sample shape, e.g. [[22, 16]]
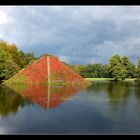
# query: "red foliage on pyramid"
[[59, 72]]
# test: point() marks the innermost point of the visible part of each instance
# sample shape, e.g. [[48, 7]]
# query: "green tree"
[[119, 73], [106, 70], [7, 67], [130, 67], [138, 70], [12, 60], [27, 57], [97, 71], [91, 70], [13, 52], [117, 69], [84, 72]]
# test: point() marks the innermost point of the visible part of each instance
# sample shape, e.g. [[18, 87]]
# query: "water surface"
[[103, 107]]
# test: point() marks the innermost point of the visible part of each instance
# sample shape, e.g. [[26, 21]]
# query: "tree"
[[12, 60], [106, 69], [138, 70], [27, 57], [130, 67], [91, 70], [12, 51], [7, 66], [119, 73], [117, 69], [84, 72]]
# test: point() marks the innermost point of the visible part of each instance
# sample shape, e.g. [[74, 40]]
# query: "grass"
[[57, 83], [17, 79], [98, 79], [130, 80], [109, 79]]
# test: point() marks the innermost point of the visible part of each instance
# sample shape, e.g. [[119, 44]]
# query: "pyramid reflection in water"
[[47, 96]]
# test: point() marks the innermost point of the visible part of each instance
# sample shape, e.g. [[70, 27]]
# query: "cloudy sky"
[[76, 34]]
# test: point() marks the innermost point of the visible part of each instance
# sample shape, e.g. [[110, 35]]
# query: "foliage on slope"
[[37, 72]]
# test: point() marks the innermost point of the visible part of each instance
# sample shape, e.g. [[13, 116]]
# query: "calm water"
[[104, 107]]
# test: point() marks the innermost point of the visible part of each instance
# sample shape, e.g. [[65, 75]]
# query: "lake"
[[103, 107]]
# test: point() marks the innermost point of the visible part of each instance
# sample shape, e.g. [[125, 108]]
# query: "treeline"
[[118, 68], [12, 60]]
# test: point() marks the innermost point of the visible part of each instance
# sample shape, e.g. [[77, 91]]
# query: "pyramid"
[[48, 69]]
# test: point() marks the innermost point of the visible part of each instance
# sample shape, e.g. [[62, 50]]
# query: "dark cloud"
[[77, 34]]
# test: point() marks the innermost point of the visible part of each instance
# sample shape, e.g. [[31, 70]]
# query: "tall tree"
[[130, 67], [13, 52], [12, 60], [138, 70], [117, 69], [7, 66]]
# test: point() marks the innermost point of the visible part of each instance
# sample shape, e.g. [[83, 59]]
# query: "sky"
[[76, 34]]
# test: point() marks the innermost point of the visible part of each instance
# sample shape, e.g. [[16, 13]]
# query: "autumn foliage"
[[37, 72], [61, 72]]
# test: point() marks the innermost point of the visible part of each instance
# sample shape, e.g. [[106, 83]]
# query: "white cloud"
[[3, 18], [78, 34]]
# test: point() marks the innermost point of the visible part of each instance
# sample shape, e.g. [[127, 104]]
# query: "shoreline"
[[110, 79]]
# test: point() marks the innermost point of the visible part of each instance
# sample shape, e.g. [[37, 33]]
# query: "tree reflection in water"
[[117, 93], [10, 101]]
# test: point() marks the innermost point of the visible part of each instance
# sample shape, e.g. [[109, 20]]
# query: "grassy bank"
[[109, 79], [99, 79]]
